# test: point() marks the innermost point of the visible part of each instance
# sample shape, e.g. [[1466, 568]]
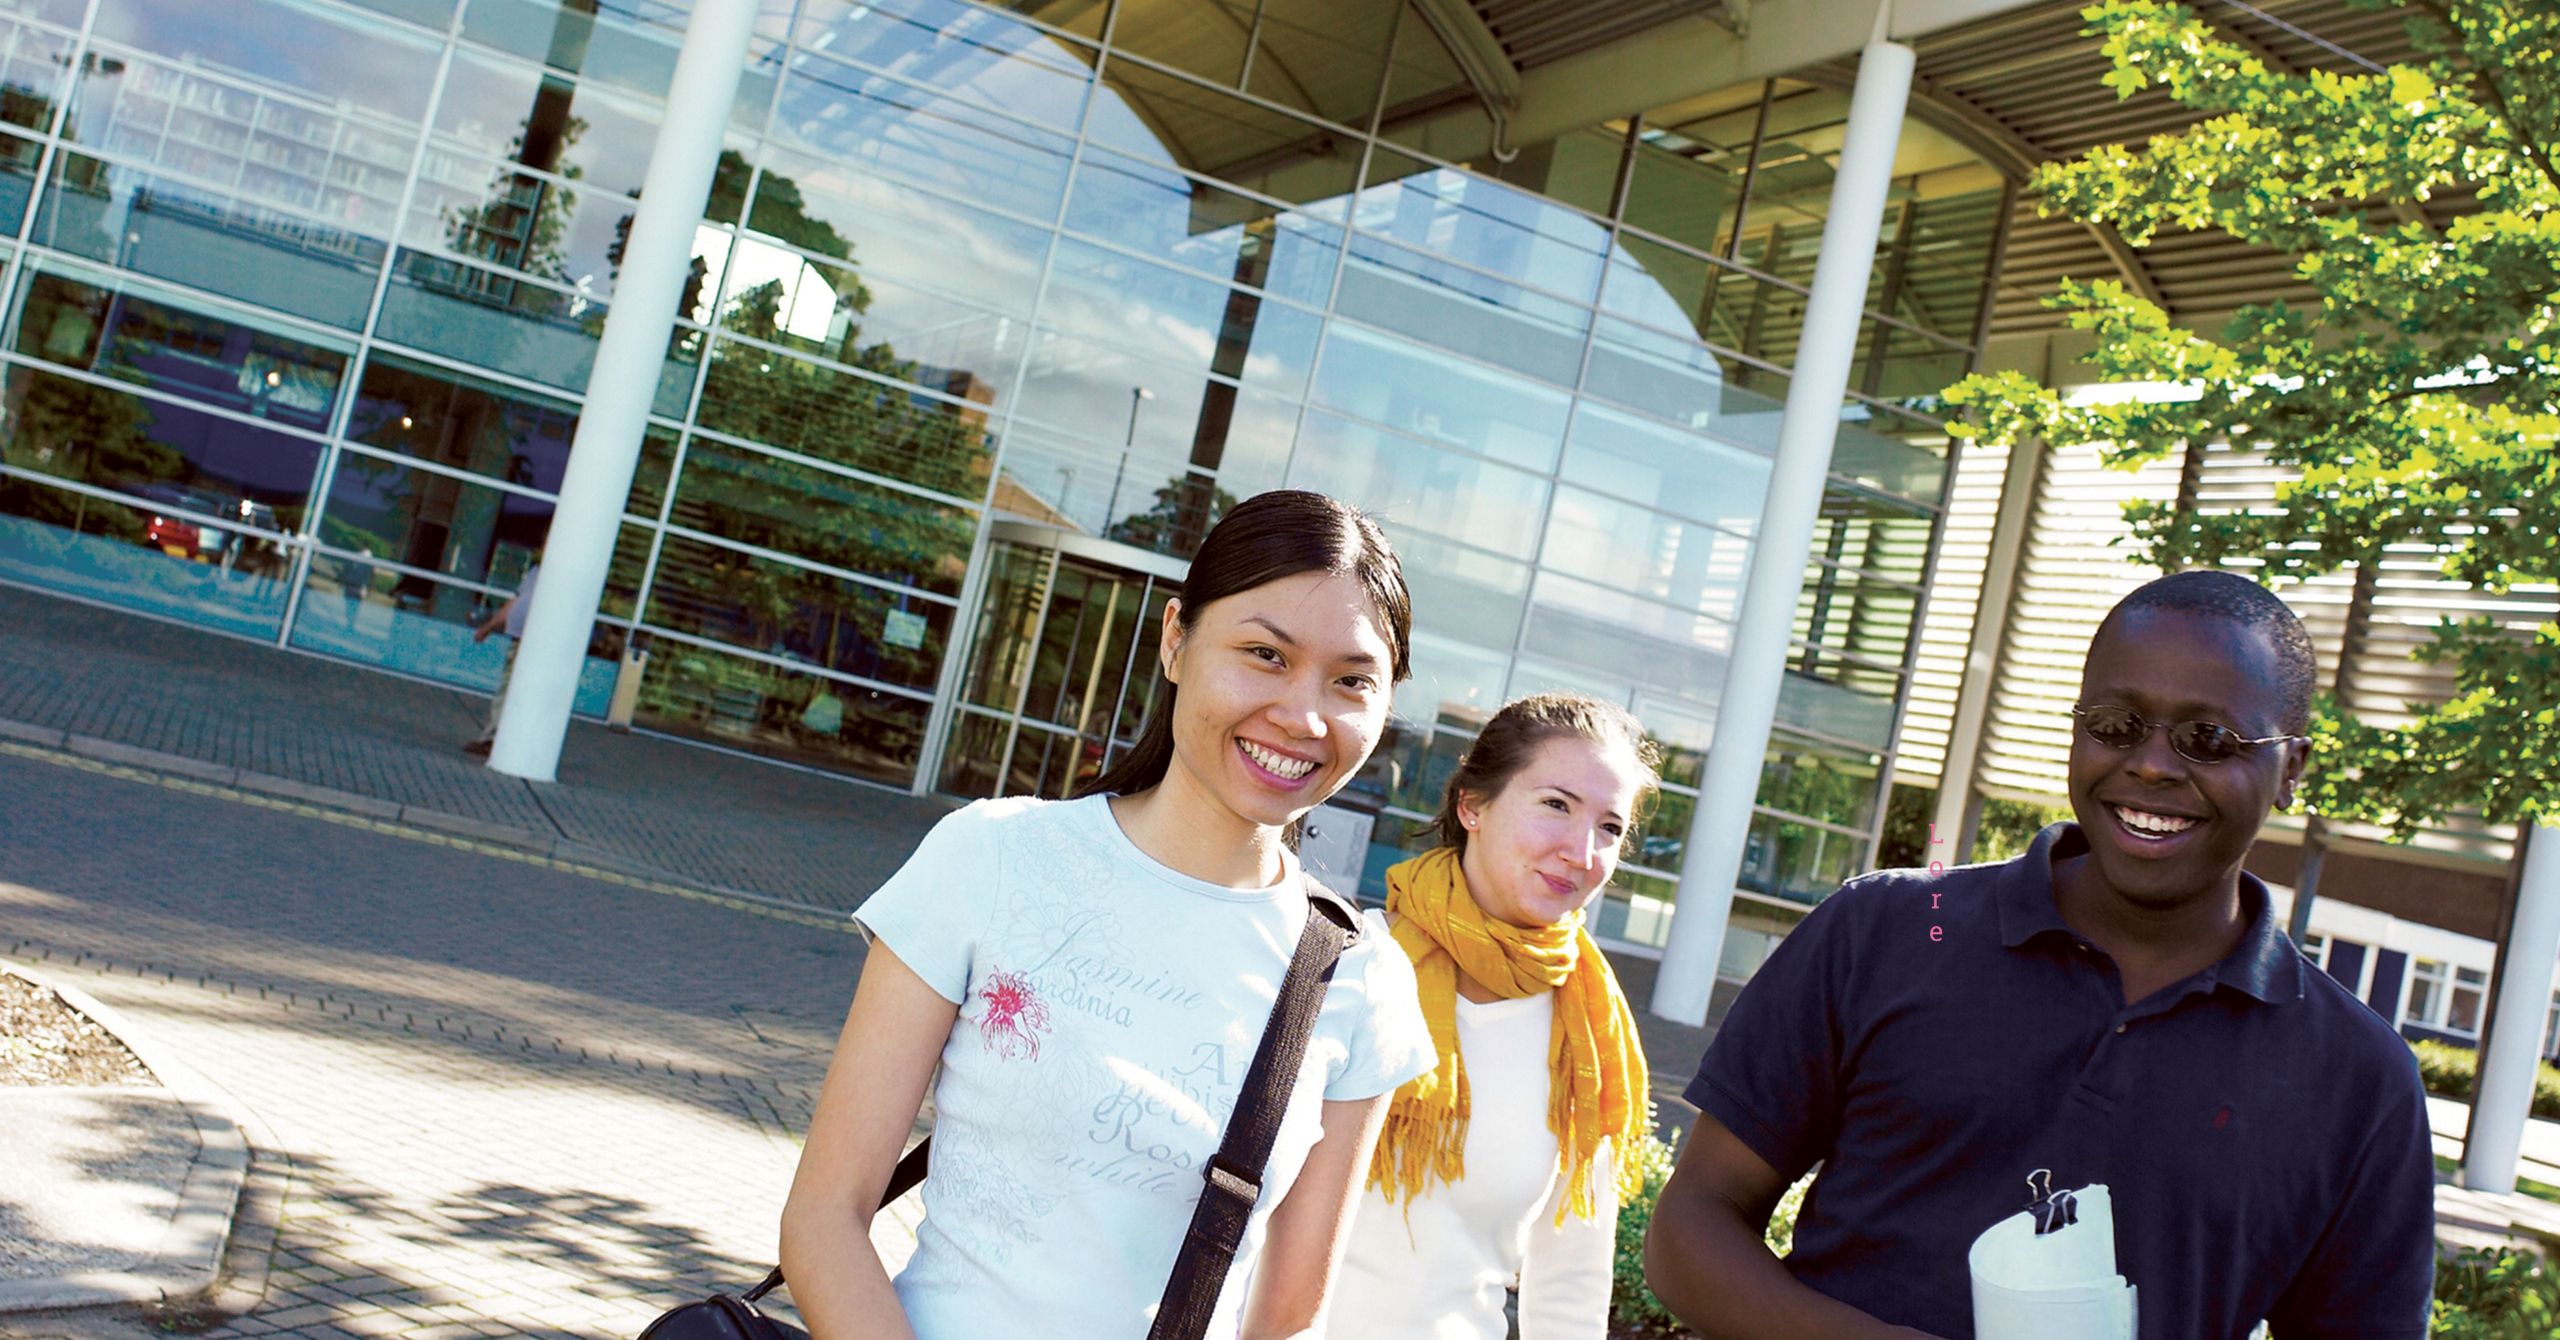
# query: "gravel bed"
[[46, 1042]]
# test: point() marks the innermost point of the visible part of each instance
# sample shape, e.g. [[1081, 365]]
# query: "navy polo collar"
[[2263, 964]]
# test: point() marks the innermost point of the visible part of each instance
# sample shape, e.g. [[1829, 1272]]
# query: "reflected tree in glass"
[[854, 421]]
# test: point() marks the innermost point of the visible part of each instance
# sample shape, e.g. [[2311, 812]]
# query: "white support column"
[[629, 359], [2504, 1097], [1982, 661], [1824, 352]]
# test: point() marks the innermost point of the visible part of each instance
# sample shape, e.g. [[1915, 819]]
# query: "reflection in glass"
[[353, 608], [1905, 365], [1156, 210], [214, 240], [1095, 625], [541, 118], [1852, 614], [853, 117], [1829, 782], [238, 365], [1826, 693], [1636, 909], [1798, 862], [793, 715], [962, 50], [1684, 383], [1462, 310], [491, 318], [628, 45], [1666, 469], [233, 477], [435, 523], [836, 312], [901, 232], [1017, 588], [751, 498], [1663, 836], [972, 760], [509, 215], [836, 416], [622, 578], [153, 547], [1681, 731], [1421, 488], [1628, 548], [782, 609], [649, 477], [1485, 225], [464, 422], [1461, 591], [1891, 452], [1441, 399], [1449, 675], [1579, 624], [1180, 319], [335, 59]]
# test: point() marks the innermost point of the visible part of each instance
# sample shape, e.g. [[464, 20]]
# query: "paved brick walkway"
[[508, 1100], [691, 814]]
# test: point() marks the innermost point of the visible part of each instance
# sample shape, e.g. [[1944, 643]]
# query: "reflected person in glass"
[[1505, 1164], [1094, 975]]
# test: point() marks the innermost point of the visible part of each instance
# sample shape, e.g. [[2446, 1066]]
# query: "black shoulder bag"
[[1232, 1181]]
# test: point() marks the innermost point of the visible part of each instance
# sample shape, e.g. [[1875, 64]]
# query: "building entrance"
[[1062, 669]]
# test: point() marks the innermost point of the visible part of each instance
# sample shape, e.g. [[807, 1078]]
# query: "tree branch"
[[2533, 152]]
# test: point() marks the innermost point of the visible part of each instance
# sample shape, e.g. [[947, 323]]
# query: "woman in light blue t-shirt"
[[1093, 976]]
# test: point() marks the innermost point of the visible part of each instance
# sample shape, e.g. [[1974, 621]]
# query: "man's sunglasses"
[[2195, 741]]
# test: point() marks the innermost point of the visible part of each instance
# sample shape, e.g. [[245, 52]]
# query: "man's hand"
[[1705, 1258]]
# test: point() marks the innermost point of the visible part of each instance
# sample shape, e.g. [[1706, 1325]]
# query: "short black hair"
[[2228, 595]]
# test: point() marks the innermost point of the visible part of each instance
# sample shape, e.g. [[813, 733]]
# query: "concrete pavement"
[[498, 1098]]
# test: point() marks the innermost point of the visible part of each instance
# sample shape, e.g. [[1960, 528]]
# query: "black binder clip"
[[2052, 1209]]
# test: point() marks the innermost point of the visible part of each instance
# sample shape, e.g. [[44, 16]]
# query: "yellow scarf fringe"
[[1598, 1090]]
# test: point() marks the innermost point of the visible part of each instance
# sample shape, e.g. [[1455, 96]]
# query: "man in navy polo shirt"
[[2116, 1006]]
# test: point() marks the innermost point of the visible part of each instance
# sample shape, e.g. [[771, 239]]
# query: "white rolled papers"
[[2061, 1285]]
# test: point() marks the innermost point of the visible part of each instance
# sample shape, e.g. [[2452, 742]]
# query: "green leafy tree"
[[2415, 399]]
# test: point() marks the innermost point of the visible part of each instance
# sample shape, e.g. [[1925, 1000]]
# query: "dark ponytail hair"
[[1267, 538], [1511, 739]]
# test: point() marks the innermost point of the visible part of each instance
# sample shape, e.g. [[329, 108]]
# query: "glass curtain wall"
[[304, 299]]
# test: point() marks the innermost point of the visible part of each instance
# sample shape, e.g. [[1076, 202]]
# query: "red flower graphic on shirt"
[[1014, 1017]]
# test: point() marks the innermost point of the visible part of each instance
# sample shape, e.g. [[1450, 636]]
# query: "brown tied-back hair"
[[1511, 739]]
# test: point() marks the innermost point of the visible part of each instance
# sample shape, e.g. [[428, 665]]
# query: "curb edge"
[[189, 1256]]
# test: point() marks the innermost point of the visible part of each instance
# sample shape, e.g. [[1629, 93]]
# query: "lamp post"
[[1136, 394]]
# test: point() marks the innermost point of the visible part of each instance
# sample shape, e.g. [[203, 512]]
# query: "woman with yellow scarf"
[[1497, 1169]]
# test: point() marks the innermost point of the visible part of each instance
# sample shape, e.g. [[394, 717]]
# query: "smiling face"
[[1537, 851], [1284, 691], [2164, 830]]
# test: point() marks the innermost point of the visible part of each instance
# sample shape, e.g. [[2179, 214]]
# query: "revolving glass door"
[[1062, 669]]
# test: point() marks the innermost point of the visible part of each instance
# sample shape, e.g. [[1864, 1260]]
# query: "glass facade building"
[[992, 312]]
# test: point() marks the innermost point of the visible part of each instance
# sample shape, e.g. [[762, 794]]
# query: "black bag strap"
[[1233, 1179]]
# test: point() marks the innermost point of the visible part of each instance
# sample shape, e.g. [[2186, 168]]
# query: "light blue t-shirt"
[[1109, 1008]]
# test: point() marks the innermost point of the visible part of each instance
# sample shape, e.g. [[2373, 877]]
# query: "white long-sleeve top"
[[1440, 1272]]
